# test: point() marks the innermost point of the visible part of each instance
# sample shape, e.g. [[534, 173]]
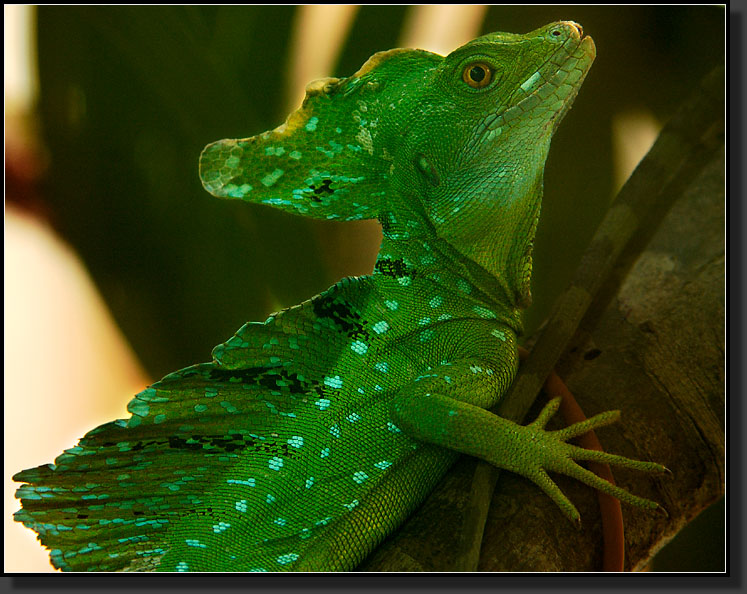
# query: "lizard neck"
[[503, 248], [419, 261], [490, 249]]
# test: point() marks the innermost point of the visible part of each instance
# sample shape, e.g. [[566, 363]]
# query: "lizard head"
[[480, 146], [452, 147]]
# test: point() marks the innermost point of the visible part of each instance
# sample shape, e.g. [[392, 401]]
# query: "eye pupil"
[[477, 73]]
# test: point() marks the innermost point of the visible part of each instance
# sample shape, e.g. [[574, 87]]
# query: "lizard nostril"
[[579, 29]]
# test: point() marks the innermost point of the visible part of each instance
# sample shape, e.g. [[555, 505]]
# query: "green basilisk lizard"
[[313, 435]]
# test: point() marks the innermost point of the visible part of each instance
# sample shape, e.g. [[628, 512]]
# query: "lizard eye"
[[477, 75]]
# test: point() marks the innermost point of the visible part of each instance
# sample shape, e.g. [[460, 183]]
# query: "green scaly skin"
[[313, 435]]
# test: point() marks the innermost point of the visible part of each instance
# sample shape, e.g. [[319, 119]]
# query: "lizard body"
[[313, 435]]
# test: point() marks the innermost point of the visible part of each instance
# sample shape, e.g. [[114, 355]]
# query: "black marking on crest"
[[342, 314], [266, 377], [385, 219], [214, 444], [394, 268], [274, 379], [325, 189]]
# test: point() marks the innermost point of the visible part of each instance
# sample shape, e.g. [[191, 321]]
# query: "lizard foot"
[[548, 451]]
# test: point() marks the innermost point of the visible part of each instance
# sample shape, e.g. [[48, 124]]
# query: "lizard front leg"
[[445, 408]]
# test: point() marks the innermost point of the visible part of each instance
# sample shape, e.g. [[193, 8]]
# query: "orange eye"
[[477, 75]]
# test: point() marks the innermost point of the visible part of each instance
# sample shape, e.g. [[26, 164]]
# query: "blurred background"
[[120, 268]]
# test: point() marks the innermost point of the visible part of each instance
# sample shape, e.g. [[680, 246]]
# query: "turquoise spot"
[[280, 521], [393, 305], [324, 453], [230, 408], [159, 419], [483, 312], [288, 557], [336, 146], [353, 504], [464, 286], [353, 417], [240, 505], [138, 407], [359, 347], [383, 465], [499, 334], [237, 192], [360, 477], [275, 463], [392, 427], [309, 482], [220, 527], [311, 125], [296, 441], [436, 301], [150, 395], [295, 155], [193, 542], [270, 179], [323, 403], [248, 482], [383, 367], [182, 566], [333, 382], [270, 498], [200, 408], [276, 202], [380, 327], [530, 83], [426, 335], [335, 431]]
